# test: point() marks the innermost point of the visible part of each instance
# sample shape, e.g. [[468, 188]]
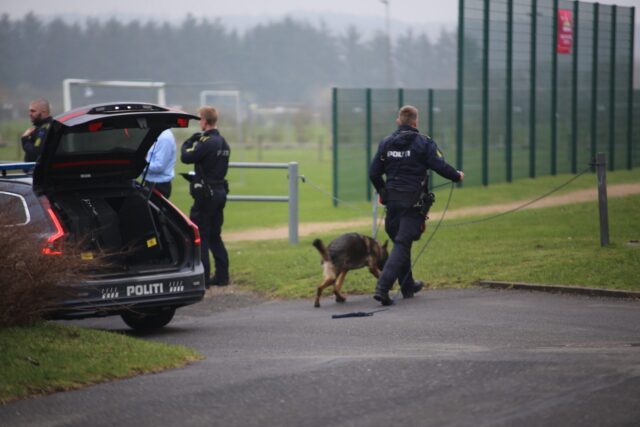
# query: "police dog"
[[348, 252]]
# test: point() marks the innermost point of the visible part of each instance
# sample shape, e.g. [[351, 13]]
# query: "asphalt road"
[[476, 357]]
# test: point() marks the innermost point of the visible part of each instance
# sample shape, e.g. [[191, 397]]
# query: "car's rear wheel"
[[145, 320]]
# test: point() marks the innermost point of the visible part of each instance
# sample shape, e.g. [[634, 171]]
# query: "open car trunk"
[[87, 170], [132, 234]]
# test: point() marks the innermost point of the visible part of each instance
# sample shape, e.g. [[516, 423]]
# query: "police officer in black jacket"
[[404, 158], [32, 138], [209, 152]]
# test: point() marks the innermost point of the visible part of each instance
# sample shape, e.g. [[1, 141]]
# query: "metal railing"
[[291, 198]]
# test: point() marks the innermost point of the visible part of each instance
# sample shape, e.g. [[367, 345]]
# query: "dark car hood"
[[103, 143]]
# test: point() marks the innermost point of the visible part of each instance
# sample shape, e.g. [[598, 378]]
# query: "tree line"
[[281, 61]]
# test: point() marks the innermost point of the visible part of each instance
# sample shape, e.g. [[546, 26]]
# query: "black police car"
[[83, 189]]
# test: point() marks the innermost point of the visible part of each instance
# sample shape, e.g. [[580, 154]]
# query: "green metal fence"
[[634, 150], [522, 108]]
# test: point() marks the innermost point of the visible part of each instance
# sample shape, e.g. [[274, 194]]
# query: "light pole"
[[389, 66]]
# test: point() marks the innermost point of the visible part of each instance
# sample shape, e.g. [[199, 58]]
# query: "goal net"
[[77, 92]]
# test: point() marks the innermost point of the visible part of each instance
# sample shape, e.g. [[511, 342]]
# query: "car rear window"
[[112, 140], [14, 209]]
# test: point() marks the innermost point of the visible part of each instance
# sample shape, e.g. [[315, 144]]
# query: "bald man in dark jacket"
[[33, 138]]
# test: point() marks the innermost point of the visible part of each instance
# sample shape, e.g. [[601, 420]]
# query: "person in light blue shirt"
[[162, 158]]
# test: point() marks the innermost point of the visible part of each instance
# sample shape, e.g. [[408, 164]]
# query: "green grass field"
[[49, 357], [559, 245]]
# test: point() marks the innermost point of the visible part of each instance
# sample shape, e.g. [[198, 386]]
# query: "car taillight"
[[194, 228], [196, 233], [53, 245], [95, 126]]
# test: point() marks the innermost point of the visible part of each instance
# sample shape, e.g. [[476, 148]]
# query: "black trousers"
[[163, 187], [404, 226], [208, 215]]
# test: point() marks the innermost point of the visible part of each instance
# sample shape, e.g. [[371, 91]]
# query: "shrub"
[[31, 283]]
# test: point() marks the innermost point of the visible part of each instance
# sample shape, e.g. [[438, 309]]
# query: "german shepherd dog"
[[348, 252]]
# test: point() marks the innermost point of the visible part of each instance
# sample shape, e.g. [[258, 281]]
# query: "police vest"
[[405, 161]]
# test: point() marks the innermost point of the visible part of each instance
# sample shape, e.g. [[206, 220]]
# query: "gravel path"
[[306, 229]]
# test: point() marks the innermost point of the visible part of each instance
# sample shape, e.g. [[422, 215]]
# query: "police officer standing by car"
[[32, 138], [209, 153], [404, 158]]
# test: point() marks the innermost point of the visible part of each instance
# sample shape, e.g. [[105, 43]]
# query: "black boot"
[[408, 291], [382, 296], [219, 280]]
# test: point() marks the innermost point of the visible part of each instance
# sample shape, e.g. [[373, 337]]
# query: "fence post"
[[612, 89], [533, 88], [374, 210], [334, 144], [291, 198], [594, 80], [293, 202], [509, 107], [368, 139], [601, 170], [431, 128], [630, 104], [574, 89], [485, 94], [460, 94], [554, 92]]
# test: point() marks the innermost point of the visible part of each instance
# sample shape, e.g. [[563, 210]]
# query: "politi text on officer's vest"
[[399, 154]]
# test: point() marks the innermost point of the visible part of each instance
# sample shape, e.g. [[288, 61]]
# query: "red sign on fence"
[[565, 31]]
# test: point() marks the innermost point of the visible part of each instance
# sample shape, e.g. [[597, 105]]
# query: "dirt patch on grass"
[[306, 229]]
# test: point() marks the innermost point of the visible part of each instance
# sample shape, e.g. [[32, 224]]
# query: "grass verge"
[[559, 245], [48, 357]]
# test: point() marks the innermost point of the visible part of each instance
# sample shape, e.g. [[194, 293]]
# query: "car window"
[[14, 208], [128, 139]]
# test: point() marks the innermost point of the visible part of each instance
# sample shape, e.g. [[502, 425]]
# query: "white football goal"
[[89, 85]]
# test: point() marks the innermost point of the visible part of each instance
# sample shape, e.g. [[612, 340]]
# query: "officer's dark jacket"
[[32, 144], [404, 157], [210, 155]]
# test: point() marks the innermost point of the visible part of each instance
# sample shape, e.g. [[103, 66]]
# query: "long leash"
[[524, 205], [424, 247]]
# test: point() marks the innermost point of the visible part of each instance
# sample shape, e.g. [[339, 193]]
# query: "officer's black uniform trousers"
[[208, 215], [403, 225]]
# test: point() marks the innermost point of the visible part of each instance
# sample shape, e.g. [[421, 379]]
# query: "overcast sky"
[[410, 10], [170, 10]]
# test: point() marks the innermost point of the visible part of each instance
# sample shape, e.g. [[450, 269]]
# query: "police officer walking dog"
[[209, 152], [404, 158]]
